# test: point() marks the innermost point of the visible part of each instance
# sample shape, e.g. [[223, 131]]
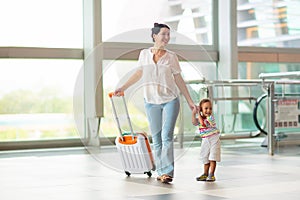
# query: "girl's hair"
[[202, 102], [156, 29]]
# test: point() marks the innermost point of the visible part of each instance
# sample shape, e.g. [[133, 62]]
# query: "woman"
[[160, 71]]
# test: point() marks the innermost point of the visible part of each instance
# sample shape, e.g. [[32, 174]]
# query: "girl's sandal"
[[166, 178]]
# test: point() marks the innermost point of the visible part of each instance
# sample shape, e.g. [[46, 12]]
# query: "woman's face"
[[163, 37], [206, 109]]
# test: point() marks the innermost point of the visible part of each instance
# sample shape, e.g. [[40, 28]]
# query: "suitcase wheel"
[[148, 173], [127, 173]]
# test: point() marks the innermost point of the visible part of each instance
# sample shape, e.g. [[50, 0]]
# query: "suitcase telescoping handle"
[[111, 95]]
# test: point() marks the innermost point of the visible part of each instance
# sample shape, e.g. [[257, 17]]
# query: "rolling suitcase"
[[134, 148]]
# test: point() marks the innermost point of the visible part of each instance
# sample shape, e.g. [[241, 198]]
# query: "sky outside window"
[[41, 23]]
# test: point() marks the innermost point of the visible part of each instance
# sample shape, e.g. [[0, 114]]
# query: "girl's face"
[[206, 109], [162, 38]]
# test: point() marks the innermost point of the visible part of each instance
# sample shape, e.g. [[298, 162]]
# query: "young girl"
[[211, 144]]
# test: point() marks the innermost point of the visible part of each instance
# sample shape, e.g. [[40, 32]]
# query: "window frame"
[[113, 50]]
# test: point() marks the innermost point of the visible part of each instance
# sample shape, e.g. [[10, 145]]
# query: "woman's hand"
[[194, 109], [119, 91], [195, 121]]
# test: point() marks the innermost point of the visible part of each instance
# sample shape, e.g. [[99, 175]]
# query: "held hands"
[[195, 110]]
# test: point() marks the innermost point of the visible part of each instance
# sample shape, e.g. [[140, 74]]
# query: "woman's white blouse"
[[158, 80]]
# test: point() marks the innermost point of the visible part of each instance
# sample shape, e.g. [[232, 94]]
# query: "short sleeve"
[[141, 59], [175, 67], [145, 58]]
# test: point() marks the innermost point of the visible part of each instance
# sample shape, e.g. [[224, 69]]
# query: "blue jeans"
[[162, 120]]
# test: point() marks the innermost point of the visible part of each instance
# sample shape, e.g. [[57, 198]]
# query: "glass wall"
[[191, 18], [36, 99], [272, 24], [251, 70], [46, 23], [268, 23], [283, 92], [36, 94]]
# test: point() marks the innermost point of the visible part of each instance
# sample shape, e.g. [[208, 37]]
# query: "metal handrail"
[[295, 74], [268, 86]]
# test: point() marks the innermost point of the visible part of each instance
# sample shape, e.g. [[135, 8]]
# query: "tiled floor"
[[246, 172]]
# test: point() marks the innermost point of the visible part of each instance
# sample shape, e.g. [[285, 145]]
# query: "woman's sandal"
[[165, 178]]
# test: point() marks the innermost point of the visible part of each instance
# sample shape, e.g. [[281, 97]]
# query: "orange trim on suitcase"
[[127, 139], [148, 147]]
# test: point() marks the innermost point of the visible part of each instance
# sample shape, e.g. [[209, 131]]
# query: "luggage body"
[[135, 154], [134, 148]]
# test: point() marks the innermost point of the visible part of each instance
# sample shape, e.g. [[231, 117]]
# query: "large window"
[[193, 19], [46, 23], [36, 99], [36, 94], [268, 23]]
